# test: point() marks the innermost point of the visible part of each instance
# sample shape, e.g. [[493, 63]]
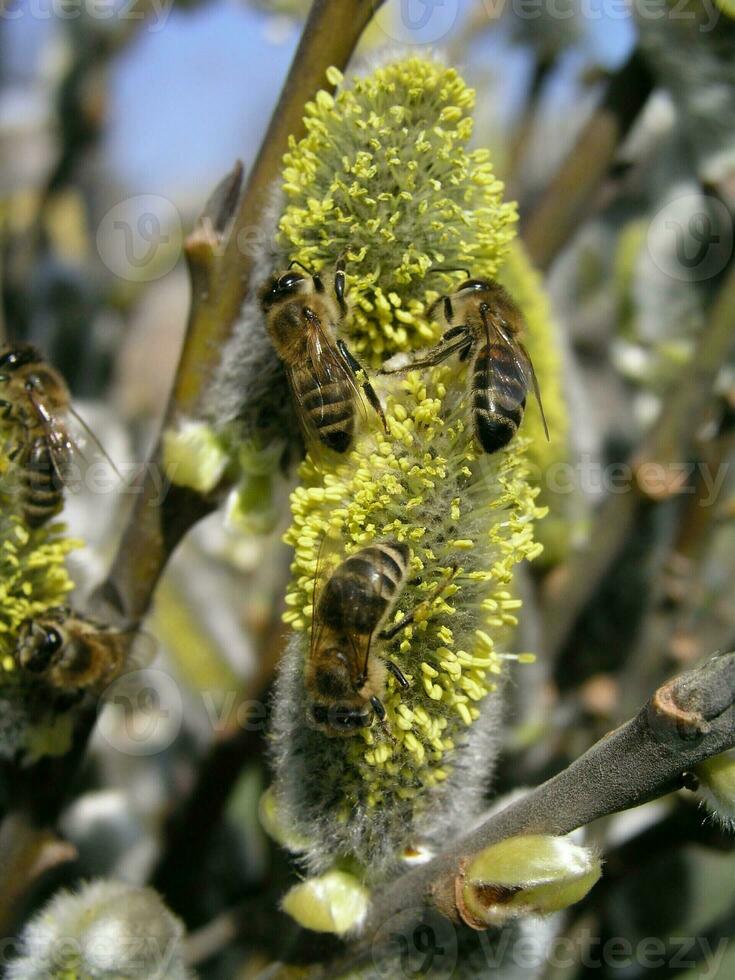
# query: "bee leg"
[[6, 410], [378, 707], [397, 673], [340, 281], [355, 367], [391, 631]]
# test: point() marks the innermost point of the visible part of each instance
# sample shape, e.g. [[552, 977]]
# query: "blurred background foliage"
[[112, 131]]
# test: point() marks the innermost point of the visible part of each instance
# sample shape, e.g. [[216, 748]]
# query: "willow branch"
[[221, 267], [688, 720], [669, 442], [566, 202], [26, 855]]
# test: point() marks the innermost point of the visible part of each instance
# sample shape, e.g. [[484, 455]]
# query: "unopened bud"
[[271, 820], [193, 456], [335, 902], [717, 786], [533, 875]]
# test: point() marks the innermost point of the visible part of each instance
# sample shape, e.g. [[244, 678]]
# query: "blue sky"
[[189, 98]]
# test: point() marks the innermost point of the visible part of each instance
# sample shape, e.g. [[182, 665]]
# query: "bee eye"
[[52, 643], [472, 284], [289, 280]]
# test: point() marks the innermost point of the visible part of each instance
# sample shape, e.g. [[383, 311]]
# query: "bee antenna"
[[306, 269], [96, 441], [448, 268]]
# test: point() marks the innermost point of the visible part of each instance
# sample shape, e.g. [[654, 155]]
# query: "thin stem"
[[669, 442], [689, 719], [566, 201]]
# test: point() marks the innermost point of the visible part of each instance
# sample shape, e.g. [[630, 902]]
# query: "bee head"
[[341, 718], [14, 358], [39, 645], [337, 707]]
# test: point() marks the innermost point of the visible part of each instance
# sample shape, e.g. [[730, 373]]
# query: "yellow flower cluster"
[[33, 577], [523, 283], [384, 175], [425, 484]]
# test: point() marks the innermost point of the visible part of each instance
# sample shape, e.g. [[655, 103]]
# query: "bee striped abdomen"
[[363, 588], [41, 492], [498, 396], [330, 408]]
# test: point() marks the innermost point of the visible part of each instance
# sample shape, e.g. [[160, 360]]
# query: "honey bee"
[[345, 678], [33, 406], [74, 654], [485, 327], [303, 318]]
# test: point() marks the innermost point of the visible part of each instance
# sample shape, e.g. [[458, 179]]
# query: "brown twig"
[[689, 719], [566, 201], [26, 855], [668, 443]]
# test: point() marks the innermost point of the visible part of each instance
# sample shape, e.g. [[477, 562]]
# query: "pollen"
[[378, 492], [358, 184]]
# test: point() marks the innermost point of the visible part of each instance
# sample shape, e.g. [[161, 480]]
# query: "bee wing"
[[60, 440], [523, 362], [329, 365], [534, 383], [87, 432], [60, 444], [360, 647], [326, 562]]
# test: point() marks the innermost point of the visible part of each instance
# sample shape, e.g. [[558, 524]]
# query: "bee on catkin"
[[485, 328], [303, 318], [35, 405]]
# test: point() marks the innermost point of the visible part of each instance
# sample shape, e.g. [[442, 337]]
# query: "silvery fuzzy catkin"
[[104, 931], [384, 172]]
